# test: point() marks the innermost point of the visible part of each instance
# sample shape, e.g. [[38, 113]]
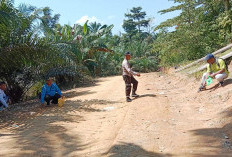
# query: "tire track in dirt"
[[169, 119]]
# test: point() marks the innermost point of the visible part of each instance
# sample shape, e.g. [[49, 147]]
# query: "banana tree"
[[86, 47]]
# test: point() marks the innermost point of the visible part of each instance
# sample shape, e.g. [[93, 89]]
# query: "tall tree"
[[135, 21], [48, 22], [27, 53], [201, 27]]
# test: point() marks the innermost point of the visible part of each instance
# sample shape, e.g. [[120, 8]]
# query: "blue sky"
[[103, 11]]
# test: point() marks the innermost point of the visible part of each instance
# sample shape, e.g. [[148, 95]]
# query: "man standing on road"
[[127, 74], [215, 69]]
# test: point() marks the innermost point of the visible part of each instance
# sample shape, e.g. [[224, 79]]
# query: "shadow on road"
[[145, 95], [72, 94], [46, 131], [227, 82], [131, 150], [216, 139], [46, 134]]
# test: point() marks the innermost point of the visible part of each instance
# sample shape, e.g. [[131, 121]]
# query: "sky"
[[103, 11]]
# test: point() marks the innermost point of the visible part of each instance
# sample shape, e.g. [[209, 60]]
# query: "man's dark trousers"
[[128, 81], [54, 98]]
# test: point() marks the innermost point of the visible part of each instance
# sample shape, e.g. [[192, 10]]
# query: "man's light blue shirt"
[[49, 90]]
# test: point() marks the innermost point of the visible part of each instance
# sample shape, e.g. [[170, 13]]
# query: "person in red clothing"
[[128, 77]]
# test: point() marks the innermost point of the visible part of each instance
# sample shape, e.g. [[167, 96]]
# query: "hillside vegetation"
[[34, 45]]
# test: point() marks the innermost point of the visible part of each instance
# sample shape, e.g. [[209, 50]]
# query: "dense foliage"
[[33, 45], [202, 27]]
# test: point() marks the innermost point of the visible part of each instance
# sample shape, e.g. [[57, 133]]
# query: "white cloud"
[[83, 19], [111, 17]]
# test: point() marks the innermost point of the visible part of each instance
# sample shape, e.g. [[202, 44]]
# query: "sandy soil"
[[169, 119]]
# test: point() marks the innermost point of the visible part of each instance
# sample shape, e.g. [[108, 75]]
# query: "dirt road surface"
[[169, 119]]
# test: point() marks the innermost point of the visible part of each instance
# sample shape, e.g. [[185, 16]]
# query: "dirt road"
[[169, 119]]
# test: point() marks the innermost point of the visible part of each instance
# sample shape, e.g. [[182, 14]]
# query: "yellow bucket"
[[61, 101]]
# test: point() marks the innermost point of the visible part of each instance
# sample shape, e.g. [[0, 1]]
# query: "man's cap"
[[127, 53], [208, 56]]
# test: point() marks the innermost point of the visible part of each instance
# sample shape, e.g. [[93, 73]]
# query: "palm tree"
[[94, 27], [28, 54]]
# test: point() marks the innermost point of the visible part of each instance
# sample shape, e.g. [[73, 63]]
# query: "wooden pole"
[[205, 66], [202, 59]]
